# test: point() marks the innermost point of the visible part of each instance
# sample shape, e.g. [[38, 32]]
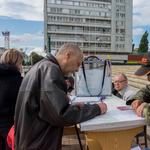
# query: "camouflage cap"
[[145, 67]]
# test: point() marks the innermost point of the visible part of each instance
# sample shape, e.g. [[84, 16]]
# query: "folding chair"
[[144, 133]]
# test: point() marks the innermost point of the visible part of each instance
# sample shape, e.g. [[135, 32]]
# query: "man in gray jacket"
[[121, 85], [43, 109]]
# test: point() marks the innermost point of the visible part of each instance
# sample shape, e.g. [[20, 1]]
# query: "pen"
[[73, 99]]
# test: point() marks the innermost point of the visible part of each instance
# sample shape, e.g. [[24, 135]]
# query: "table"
[[114, 130]]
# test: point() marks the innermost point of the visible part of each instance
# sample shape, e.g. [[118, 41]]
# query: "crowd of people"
[[38, 104]]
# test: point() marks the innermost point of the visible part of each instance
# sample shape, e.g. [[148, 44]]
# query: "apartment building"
[[96, 26]]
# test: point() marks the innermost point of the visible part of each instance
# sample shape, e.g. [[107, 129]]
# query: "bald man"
[[43, 109]]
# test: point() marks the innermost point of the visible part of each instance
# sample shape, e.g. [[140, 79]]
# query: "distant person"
[[70, 84], [141, 101], [122, 88], [10, 81], [43, 109]]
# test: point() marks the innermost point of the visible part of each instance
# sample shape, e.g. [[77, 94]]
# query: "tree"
[[34, 58], [143, 46]]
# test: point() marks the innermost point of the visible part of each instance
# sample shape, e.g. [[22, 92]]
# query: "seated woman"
[[10, 81]]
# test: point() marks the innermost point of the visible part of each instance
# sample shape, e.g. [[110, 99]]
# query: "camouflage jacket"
[[144, 96]]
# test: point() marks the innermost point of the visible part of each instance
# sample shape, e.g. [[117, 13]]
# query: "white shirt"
[[127, 93]]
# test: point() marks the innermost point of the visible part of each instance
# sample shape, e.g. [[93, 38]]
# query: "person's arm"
[[146, 113], [142, 95], [54, 103]]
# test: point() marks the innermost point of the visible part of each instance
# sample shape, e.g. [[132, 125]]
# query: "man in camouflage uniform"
[[141, 101]]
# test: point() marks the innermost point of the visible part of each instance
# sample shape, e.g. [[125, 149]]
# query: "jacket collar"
[[50, 57]]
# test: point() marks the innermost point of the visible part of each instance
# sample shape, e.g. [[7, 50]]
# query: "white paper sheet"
[[85, 99], [136, 148]]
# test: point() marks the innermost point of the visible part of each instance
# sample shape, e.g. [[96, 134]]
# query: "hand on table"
[[103, 107], [139, 110], [135, 104]]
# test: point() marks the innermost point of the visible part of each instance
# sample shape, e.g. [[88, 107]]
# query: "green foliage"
[[143, 46], [133, 47], [34, 58]]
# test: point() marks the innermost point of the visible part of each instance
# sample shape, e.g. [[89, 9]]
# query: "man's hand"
[[103, 107], [139, 110], [135, 104], [79, 103]]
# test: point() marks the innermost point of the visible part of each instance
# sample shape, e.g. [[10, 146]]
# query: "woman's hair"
[[12, 57]]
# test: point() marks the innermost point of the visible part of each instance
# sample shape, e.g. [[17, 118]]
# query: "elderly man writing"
[[43, 109], [121, 85]]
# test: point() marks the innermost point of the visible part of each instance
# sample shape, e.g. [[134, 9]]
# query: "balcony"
[[65, 31]]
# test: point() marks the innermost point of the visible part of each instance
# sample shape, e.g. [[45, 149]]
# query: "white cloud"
[[138, 31], [39, 32], [38, 50], [24, 38], [141, 10], [25, 10]]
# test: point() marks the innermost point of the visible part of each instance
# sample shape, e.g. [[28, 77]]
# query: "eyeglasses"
[[119, 81]]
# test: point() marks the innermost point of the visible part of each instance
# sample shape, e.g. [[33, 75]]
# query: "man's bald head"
[[69, 46]]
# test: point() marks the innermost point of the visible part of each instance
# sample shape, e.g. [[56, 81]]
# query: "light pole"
[[31, 59]]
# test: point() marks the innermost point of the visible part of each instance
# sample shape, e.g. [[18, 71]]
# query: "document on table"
[[123, 115], [84, 99]]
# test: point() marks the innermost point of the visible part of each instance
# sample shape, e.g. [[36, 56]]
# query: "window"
[[117, 0], [58, 1], [122, 31], [108, 14], [116, 45], [53, 1], [53, 27], [117, 23], [121, 45], [122, 7], [117, 37], [106, 6], [86, 12], [122, 15], [77, 3], [117, 7], [88, 4], [122, 1], [122, 38], [100, 5], [92, 28], [59, 18], [94, 13], [102, 13], [94, 5], [117, 30], [71, 19], [77, 11], [70, 3], [122, 23], [117, 15]]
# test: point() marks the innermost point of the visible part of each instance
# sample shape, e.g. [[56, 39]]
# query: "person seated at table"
[[70, 84], [141, 101], [122, 89]]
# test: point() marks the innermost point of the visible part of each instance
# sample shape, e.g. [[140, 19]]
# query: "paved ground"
[[71, 142]]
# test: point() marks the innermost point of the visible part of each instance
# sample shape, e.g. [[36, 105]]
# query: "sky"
[[25, 22]]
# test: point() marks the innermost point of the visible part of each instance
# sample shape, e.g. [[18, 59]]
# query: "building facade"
[[96, 26]]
